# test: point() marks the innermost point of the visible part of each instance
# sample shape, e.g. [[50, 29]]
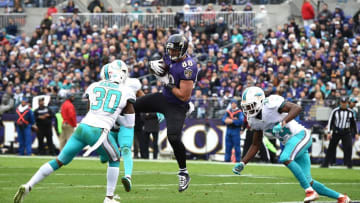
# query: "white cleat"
[[108, 200], [21, 193], [311, 195], [344, 199]]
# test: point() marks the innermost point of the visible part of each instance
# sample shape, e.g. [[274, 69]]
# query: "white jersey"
[[270, 116], [107, 100], [135, 85]]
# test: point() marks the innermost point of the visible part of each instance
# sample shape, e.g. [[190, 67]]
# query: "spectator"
[[233, 119], [70, 7], [24, 121], [352, 105], [3, 40], [325, 15], [46, 23], [248, 7], [307, 12], [44, 117], [95, 3], [221, 26], [7, 103], [231, 66], [237, 37], [52, 9], [68, 114], [11, 28]]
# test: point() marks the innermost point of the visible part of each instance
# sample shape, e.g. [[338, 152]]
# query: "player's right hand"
[[157, 66], [238, 168], [163, 79]]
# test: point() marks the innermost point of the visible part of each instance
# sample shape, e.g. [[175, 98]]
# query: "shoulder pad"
[[134, 84], [274, 101]]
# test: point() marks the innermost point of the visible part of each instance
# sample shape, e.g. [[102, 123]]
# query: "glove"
[[277, 128], [191, 109], [238, 168], [157, 67], [163, 79]]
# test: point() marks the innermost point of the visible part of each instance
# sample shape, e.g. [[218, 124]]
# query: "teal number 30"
[[101, 92]]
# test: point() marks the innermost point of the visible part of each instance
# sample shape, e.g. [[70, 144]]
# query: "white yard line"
[[164, 186], [166, 161]]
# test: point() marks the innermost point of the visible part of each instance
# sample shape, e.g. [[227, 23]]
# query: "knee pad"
[[125, 150]]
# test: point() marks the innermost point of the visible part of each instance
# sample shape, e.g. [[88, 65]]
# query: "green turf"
[[85, 181]]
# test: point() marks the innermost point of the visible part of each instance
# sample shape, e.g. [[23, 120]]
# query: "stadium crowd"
[[317, 62]]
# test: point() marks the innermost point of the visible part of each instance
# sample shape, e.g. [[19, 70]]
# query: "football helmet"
[[252, 101], [116, 71], [176, 46]]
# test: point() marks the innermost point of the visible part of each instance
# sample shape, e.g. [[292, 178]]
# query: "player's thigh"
[[109, 150], [296, 146], [114, 134], [175, 117], [150, 103], [72, 147]]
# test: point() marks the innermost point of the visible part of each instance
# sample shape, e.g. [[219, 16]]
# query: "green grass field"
[[156, 181]]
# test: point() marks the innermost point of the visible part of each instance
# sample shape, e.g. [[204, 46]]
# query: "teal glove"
[[238, 168], [277, 128]]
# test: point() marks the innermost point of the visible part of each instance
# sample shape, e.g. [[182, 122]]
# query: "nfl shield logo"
[[188, 73]]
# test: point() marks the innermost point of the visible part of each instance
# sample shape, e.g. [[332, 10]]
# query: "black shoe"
[[349, 166], [324, 166], [184, 180]]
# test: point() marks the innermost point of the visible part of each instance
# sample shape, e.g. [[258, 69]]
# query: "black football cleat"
[[184, 181]]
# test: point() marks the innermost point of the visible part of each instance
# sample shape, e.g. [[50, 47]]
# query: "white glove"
[[191, 109], [163, 79], [157, 67]]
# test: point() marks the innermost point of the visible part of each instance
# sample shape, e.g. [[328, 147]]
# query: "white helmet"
[[252, 101], [116, 71]]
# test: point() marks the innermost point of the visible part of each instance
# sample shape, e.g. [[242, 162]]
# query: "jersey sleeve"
[[189, 71], [130, 96], [275, 102], [167, 60]]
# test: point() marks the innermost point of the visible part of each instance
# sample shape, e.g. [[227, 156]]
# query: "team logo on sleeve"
[[188, 73]]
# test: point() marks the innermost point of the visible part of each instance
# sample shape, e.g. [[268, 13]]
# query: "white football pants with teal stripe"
[[296, 152], [125, 138], [88, 135]]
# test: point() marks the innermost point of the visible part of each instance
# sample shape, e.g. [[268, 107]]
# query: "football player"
[[274, 117], [124, 140], [173, 102], [107, 99]]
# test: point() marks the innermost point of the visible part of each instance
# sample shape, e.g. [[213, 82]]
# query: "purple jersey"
[[183, 70]]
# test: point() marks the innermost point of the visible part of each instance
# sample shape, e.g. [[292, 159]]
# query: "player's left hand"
[[238, 168], [277, 128]]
